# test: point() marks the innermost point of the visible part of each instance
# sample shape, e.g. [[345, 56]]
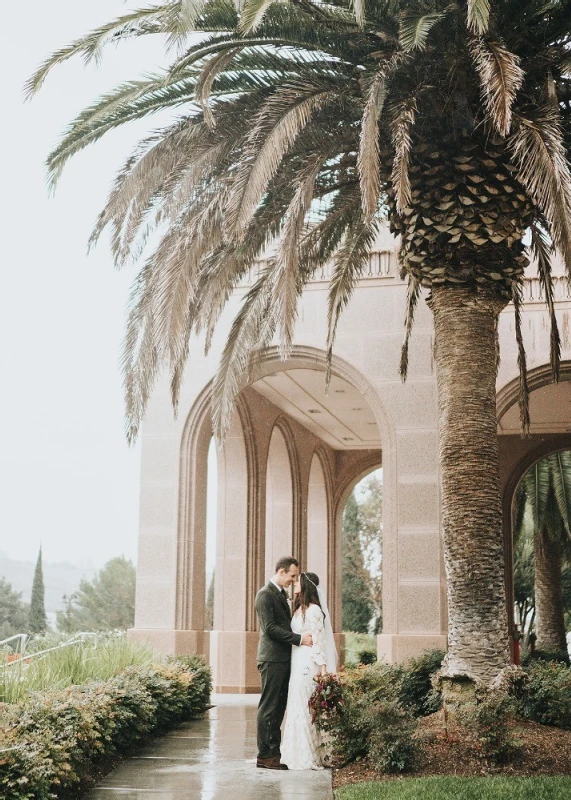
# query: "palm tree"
[[309, 122], [545, 494]]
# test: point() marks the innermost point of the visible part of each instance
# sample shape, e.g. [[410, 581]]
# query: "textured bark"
[[465, 356], [549, 618]]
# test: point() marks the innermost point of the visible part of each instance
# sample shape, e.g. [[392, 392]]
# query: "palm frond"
[[539, 152], [501, 77], [137, 23], [252, 328], [368, 161], [288, 284], [561, 482], [252, 14], [414, 30], [279, 122], [523, 397], [413, 293], [402, 123], [478, 15], [347, 267], [543, 250], [206, 79]]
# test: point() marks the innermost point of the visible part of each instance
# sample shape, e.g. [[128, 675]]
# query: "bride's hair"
[[308, 582]]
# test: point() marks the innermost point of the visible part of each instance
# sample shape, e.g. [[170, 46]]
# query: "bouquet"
[[326, 702]]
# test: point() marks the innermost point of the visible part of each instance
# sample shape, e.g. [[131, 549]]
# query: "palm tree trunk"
[[550, 622], [465, 355]]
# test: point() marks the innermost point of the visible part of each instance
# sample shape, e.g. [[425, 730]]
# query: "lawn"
[[544, 788]]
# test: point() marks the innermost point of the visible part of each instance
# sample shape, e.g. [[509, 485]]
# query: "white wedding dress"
[[301, 742]]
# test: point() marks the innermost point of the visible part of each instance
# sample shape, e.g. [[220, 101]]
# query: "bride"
[[300, 748]]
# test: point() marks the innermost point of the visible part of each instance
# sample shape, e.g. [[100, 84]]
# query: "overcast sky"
[[68, 478]]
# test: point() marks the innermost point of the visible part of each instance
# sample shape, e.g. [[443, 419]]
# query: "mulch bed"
[[451, 751]]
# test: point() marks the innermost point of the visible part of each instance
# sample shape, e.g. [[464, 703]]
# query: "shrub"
[[561, 656], [366, 657], [51, 744], [365, 718], [416, 691], [391, 743], [489, 720], [546, 698]]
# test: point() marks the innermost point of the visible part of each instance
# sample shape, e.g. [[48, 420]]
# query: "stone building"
[[293, 455]]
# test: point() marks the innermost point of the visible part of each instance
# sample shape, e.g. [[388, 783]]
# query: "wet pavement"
[[213, 758]]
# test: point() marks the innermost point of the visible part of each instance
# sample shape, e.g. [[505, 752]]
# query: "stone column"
[[233, 647]]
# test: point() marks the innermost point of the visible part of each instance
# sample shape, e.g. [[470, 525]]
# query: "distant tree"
[[371, 509], [209, 611], [105, 603], [14, 613], [356, 598], [38, 622]]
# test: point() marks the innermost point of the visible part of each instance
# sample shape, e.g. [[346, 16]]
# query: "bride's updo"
[[308, 583]]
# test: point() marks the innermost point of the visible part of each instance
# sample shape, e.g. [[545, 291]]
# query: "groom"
[[274, 657]]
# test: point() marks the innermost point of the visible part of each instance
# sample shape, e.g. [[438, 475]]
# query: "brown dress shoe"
[[271, 762]]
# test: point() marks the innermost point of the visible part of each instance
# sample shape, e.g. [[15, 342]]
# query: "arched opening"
[[361, 559], [550, 432], [279, 502], [211, 525], [318, 545], [542, 555]]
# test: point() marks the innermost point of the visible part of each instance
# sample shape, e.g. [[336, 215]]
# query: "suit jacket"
[[276, 635]]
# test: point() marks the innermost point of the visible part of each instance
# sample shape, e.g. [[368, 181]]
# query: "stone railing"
[[533, 291], [381, 264]]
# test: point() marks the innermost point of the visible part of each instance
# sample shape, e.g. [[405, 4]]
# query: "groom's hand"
[[307, 640]]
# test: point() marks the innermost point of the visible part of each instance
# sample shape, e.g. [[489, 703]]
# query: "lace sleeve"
[[317, 630]]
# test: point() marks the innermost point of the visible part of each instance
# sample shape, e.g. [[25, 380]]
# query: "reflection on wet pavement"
[[210, 759]]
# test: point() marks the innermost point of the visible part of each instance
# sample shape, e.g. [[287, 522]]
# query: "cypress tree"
[[38, 622]]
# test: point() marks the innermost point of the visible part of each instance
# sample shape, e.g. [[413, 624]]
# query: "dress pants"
[[271, 710]]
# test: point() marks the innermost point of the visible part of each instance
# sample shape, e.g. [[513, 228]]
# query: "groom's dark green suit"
[[274, 658]]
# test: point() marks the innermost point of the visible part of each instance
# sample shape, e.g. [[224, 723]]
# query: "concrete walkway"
[[210, 759]]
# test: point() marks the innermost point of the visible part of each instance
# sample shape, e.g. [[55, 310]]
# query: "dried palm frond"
[[543, 250], [501, 77], [523, 396], [413, 293], [540, 154], [401, 127], [368, 161]]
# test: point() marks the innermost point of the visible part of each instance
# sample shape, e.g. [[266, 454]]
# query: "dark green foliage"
[[14, 613], [561, 656], [37, 623], [105, 603], [366, 657], [416, 692], [547, 695], [391, 743], [356, 598], [490, 720], [52, 744]]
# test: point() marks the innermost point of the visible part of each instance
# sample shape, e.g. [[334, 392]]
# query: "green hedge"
[[51, 745]]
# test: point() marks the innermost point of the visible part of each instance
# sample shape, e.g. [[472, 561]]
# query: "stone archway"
[[550, 430]]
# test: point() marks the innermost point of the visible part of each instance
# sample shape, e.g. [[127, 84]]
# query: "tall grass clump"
[[96, 658]]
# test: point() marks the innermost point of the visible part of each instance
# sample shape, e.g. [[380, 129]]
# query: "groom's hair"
[[286, 562]]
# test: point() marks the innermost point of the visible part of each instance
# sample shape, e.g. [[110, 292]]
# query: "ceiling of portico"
[[342, 418], [550, 411]]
